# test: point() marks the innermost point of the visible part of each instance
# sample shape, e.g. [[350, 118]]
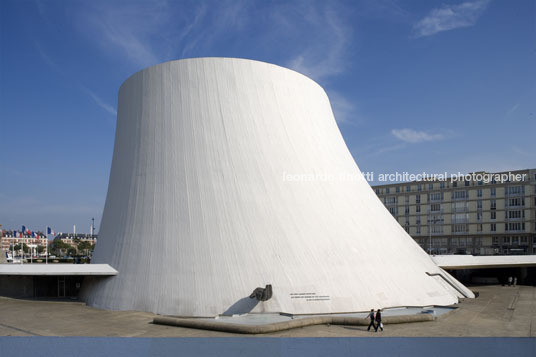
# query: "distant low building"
[[10, 238], [468, 216], [73, 239]]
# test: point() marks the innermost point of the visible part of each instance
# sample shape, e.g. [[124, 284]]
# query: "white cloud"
[[522, 151], [199, 14], [321, 39], [148, 33], [48, 60], [325, 54], [208, 25], [450, 17], [512, 110], [127, 30], [383, 149], [100, 102], [312, 38], [343, 109], [413, 136]]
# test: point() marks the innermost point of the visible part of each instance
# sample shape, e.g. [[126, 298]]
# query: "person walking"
[[378, 320], [509, 281], [372, 316]]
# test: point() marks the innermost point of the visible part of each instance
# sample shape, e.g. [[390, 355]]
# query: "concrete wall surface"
[[230, 174]]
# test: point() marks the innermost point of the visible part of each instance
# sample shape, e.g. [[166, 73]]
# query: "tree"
[[58, 246], [71, 251], [24, 247], [84, 245], [40, 249]]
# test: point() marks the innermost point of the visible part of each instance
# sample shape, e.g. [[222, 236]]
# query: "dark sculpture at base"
[[262, 294]]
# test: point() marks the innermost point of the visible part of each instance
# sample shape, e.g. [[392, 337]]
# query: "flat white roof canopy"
[[456, 262], [57, 269]]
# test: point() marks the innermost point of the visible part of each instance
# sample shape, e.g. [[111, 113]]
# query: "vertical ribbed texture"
[[198, 213]]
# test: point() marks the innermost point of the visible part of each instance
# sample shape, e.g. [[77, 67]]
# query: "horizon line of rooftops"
[[13, 233]]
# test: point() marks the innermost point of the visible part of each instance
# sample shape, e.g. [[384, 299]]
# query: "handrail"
[[449, 282]]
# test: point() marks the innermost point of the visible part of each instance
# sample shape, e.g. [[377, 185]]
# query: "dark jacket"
[[378, 316]]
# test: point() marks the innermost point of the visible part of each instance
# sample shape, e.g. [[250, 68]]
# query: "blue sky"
[[415, 85]]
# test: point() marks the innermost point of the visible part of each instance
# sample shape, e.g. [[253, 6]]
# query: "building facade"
[[480, 214], [10, 238], [73, 239]]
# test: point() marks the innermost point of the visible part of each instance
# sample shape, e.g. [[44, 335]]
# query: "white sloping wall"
[[201, 209]]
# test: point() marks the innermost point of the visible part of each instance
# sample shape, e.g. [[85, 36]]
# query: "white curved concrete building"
[[205, 202]]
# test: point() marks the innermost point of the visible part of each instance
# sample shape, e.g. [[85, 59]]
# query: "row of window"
[[507, 215], [511, 226], [515, 202], [476, 241], [436, 207], [456, 207], [460, 218], [514, 226], [464, 217], [462, 206], [508, 190], [435, 229], [454, 242], [514, 190], [465, 242], [513, 240], [436, 196], [514, 214], [458, 227]]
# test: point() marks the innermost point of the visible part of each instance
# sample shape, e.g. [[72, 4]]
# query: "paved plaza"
[[499, 311]]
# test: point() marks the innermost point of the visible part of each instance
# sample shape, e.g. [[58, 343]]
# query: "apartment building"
[[479, 213]]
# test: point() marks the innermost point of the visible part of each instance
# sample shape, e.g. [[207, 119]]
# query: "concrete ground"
[[498, 312]]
